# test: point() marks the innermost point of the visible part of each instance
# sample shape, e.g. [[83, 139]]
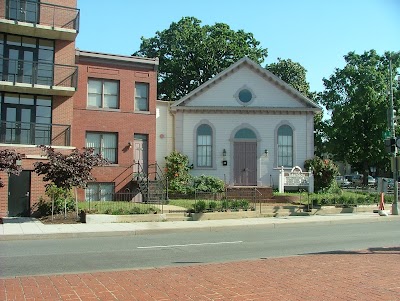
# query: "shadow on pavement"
[[383, 250], [17, 220]]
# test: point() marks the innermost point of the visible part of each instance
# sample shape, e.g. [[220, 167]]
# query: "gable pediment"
[[246, 85]]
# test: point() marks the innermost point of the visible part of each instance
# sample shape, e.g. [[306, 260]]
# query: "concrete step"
[[177, 217]]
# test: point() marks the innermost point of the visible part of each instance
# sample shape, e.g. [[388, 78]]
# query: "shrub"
[[244, 204], [177, 171], [208, 184], [225, 204], [62, 198], [324, 172], [212, 205], [135, 210], [199, 206], [44, 207]]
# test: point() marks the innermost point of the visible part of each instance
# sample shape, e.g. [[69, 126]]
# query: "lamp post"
[[395, 206]]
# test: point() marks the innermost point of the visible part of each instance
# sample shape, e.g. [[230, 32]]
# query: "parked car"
[[342, 181], [349, 178], [371, 181], [357, 180], [389, 182]]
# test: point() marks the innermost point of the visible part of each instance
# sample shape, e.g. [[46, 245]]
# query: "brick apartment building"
[[109, 104], [114, 112]]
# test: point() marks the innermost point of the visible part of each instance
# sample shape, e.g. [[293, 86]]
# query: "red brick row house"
[[56, 95]]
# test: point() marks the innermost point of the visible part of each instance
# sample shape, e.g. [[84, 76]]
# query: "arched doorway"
[[245, 158]]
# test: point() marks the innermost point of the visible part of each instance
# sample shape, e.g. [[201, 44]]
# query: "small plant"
[[235, 204], [135, 210], [199, 206], [244, 204], [225, 204], [212, 206]]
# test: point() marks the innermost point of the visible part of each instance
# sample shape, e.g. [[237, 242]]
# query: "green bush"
[[208, 184], [244, 204], [200, 206], [135, 210], [62, 198], [324, 173], [177, 171], [235, 204], [225, 204], [212, 205]]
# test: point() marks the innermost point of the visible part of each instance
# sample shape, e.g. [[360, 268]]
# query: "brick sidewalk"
[[366, 275]]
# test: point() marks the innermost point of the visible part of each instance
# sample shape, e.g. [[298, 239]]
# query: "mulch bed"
[[60, 219]]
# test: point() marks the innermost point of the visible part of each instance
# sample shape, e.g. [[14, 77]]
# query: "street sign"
[[386, 134]]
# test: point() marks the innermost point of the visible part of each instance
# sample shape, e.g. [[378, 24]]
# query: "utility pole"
[[395, 206]]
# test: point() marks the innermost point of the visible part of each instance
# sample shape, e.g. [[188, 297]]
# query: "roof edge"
[[116, 58]]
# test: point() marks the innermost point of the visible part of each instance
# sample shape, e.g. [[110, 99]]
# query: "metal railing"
[[42, 13], [153, 184], [39, 73], [119, 203], [35, 133]]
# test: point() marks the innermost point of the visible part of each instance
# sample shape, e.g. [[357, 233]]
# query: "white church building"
[[242, 126]]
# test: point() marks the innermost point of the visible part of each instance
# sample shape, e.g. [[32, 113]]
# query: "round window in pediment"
[[245, 95]]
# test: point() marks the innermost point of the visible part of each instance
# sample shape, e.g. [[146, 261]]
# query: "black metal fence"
[[119, 203]]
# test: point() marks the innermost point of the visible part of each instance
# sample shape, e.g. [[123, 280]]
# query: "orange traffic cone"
[[382, 202]]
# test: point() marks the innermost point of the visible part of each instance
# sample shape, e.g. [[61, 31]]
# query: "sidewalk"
[[30, 228]]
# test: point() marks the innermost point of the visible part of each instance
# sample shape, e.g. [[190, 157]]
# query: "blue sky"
[[315, 33]]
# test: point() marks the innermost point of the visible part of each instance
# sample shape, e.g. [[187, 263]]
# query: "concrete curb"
[[83, 231]]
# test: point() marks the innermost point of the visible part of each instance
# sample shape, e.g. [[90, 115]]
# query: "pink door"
[[140, 148], [245, 163]]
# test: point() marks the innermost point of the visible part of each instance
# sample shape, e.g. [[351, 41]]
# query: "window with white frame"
[[103, 93], [285, 146], [104, 144], [204, 146], [97, 191], [141, 97]]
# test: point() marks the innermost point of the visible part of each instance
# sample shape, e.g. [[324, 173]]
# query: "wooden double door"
[[245, 163]]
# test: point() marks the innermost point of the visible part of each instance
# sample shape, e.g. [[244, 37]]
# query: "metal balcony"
[[39, 19], [29, 133], [37, 77]]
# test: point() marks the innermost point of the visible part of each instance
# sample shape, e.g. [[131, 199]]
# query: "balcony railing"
[[35, 133], [42, 13], [38, 73]]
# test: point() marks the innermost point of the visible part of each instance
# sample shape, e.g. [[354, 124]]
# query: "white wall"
[[266, 93], [164, 131], [264, 125]]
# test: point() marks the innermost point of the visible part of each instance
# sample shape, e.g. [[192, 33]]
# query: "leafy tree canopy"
[[67, 171], [295, 74], [292, 73], [191, 54], [8, 163], [357, 96]]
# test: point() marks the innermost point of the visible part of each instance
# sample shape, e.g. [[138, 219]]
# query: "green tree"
[[295, 74], [191, 54], [357, 96], [177, 171], [292, 73], [67, 171], [324, 172]]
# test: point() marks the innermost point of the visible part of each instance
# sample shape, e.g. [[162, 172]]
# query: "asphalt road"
[[39, 257]]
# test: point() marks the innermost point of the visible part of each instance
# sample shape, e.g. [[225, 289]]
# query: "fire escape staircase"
[[153, 184]]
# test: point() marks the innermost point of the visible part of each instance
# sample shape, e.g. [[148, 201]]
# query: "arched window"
[[245, 133], [204, 146], [285, 146]]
